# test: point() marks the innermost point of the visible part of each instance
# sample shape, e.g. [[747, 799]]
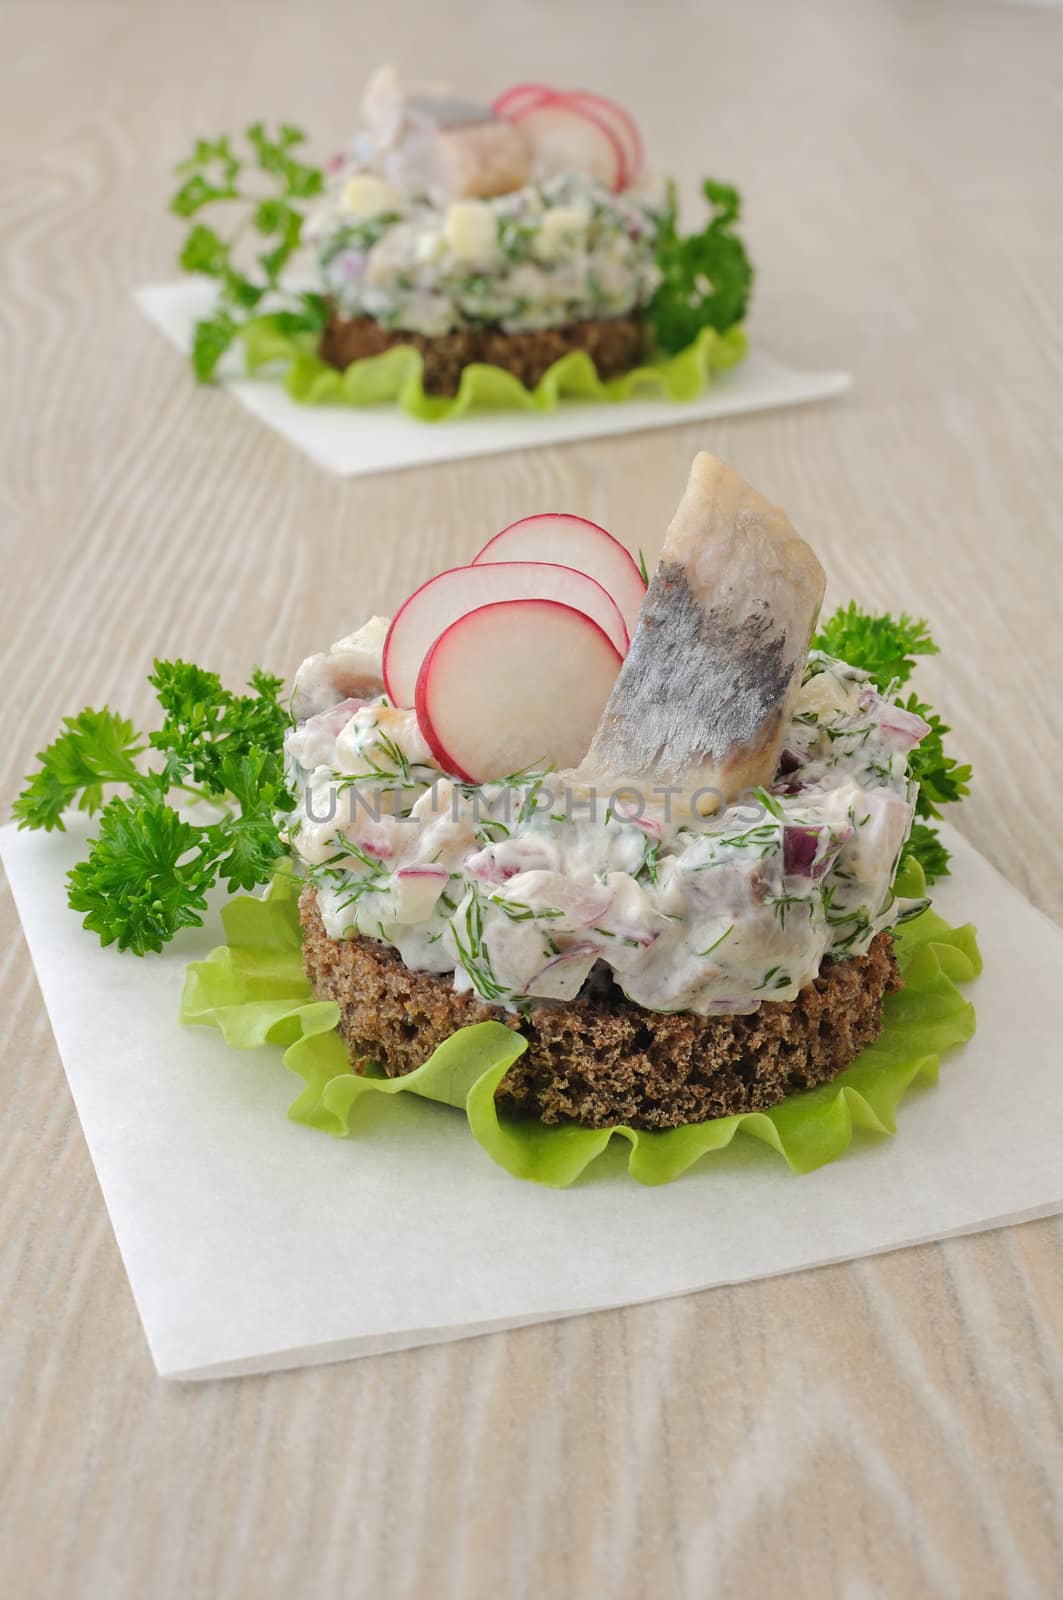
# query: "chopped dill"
[[716, 943]]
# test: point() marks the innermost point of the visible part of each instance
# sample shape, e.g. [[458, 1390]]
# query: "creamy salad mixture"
[[549, 253], [521, 888]]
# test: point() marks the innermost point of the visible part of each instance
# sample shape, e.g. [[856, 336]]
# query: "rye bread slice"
[[615, 345], [602, 1059]]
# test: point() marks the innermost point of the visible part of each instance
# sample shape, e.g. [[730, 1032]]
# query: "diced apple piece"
[[572, 541], [471, 232], [436, 604], [516, 684], [566, 137], [366, 195]]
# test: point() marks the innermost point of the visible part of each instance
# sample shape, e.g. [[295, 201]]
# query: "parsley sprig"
[[267, 183], [148, 869], [884, 646], [887, 649], [707, 277]]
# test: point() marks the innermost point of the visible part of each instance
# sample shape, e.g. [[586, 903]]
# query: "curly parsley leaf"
[[95, 748], [148, 870], [264, 187], [706, 277], [247, 841], [941, 778], [887, 648], [207, 730], [204, 251], [884, 646], [146, 876], [211, 339], [925, 846]]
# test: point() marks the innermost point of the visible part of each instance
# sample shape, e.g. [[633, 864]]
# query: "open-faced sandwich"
[[571, 850], [512, 236], [648, 829], [508, 235]]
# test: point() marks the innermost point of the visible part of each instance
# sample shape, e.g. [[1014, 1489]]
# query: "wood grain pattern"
[[890, 1427]]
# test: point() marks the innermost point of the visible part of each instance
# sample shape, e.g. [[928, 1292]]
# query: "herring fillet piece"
[[352, 670], [708, 685], [432, 140]]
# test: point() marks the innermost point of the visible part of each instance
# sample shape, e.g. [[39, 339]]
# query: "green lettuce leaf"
[[254, 991], [396, 375]]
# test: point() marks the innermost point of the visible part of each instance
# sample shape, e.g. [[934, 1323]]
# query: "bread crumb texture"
[[603, 1060], [615, 345]]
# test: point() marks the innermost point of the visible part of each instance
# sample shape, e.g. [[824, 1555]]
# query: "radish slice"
[[565, 137], [574, 542], [521, 97], [515, 103], [622, 124], [441, 601], [513, 685]]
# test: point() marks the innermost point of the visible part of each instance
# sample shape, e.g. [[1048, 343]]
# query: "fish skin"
[[708, 686], [445, 110], [476, 161], [431, 139]]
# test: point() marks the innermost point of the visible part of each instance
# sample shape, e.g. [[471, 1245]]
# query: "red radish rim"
[[636, 154], [427, 726], [424, 717], [464, 567], [521, 91], [524, 97], [622, 178], [566, 102], [569, 516]]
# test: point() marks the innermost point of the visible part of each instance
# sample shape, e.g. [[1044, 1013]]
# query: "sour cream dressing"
[[521, 890], [564, 250]]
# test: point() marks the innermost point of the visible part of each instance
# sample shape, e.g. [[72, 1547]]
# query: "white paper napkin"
[[351, 441], [253, 1244]]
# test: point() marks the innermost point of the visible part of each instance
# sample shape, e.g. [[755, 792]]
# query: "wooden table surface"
[[886, 1427]]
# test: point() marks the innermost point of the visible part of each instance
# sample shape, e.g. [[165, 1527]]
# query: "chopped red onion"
[[904, 729], [803, 850], [627, 813], [497, 863], [799, 846]]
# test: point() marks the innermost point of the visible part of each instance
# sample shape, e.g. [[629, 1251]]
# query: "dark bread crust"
[[615, 345], [604, 1060]]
